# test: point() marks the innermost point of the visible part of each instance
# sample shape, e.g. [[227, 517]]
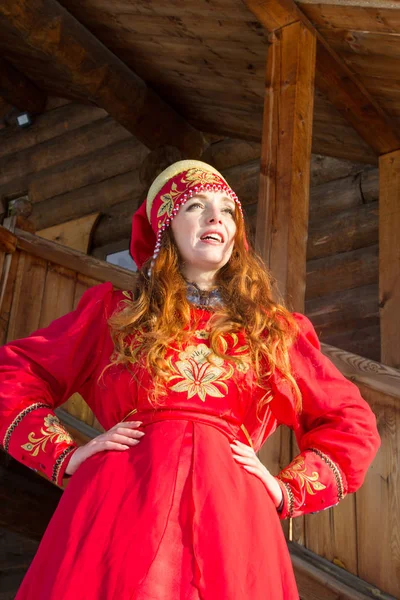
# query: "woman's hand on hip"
[[121, 436], [246, 456]]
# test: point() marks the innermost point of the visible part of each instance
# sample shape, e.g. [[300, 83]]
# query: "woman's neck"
[[203, 280]]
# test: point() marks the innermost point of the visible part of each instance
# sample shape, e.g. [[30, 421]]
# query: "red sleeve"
[[40, 372], [336, 431]]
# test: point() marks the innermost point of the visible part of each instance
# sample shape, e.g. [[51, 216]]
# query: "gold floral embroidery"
[[240, 352], [297, 470], [191, 178], [18, 419], [199, 376], [52, 430]]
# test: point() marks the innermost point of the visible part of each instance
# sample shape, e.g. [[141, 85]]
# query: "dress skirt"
[[172, 518]]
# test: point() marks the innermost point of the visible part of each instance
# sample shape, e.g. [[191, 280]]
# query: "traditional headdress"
[[170, 190]]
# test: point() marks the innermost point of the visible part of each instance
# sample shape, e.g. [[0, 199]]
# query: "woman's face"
[[204, 231]]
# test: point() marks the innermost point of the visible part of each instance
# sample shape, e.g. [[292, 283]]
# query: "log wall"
[[75, 160]]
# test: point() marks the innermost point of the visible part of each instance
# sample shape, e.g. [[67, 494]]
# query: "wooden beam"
[[52, 33], [317, 577], [19, 91], [334, 78], [361, 370], [391, 4], [71, 259], [389, 258], [282, 214]]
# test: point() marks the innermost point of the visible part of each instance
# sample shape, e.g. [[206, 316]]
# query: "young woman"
[[189, 375]]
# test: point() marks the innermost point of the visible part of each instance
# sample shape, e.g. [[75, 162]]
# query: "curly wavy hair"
[[161, 313]]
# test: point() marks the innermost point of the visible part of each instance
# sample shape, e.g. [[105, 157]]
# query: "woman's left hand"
[[246, 456]]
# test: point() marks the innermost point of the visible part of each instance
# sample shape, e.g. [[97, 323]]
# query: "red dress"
[[175, 517]]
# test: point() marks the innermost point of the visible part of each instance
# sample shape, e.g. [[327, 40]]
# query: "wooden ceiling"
[[207, 60]]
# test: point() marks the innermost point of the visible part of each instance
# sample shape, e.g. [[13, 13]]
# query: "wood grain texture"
[[389, 258], [74, 234], [51, 124], [335, 79], [27, 296], [43, 250], [347, 310], [354, 228], [112, 160], [319, 579], [283, 204], [342, 271], [50, 31], [378, 498], [100, 196]]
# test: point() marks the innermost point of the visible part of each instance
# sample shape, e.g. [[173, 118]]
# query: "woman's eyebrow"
[[204, 197]]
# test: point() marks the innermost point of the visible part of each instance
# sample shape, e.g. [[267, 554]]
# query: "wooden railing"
[[41, 280]]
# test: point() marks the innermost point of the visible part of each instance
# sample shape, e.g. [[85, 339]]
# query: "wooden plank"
[[75, 234], [377, 509], [19, 91], [389, 261], [8, 294], [347, 310], [336, 196], [282, 215], [363, 16], [332, 534], [95, 166], [53, 152], [51, 124], [76, 261], [335, 79], [317, 578], [354, 228], [342, 271], [48, 29], [364, 341], [100, 196], [219, 9], [373, 374], [28, 295], [59, 299], [58, 294]]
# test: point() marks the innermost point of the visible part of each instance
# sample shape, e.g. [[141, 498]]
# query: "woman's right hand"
[[120, 437]]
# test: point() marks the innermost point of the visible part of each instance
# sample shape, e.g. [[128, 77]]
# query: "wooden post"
[[389, 257], [282, 212], [282, 215]]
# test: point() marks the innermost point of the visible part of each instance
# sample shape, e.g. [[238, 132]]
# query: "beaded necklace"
[[207, 299]]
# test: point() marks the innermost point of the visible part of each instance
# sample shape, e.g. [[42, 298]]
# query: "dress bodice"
[[198, 381]]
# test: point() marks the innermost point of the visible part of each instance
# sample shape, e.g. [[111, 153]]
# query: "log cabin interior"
[[298, 104]]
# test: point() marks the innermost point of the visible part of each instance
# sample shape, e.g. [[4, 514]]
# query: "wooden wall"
[[76, 160]]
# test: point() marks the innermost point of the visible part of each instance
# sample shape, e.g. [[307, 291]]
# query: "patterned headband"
[[168, 193]]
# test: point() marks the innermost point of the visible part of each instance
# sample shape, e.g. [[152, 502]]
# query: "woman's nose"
[[215, 216]]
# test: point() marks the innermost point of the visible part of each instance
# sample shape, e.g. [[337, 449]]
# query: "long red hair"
[[159, 316]]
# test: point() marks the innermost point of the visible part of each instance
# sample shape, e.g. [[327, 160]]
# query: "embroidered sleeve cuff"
[[312, 482], [287, 505], [37, 438]]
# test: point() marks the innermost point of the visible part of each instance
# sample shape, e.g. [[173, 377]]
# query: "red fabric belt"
[[232, 430]]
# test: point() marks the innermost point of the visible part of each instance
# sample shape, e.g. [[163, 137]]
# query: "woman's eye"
[[195, 204], [231, 211]]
